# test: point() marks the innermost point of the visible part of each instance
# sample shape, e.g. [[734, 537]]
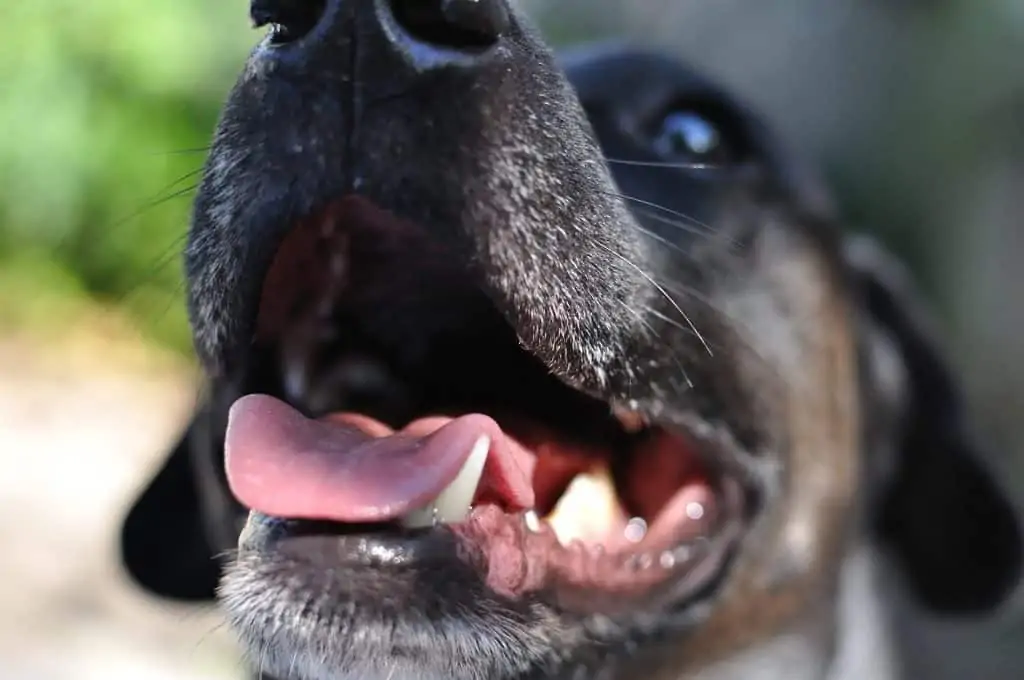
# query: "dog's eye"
[[289, 20], [691, 137]]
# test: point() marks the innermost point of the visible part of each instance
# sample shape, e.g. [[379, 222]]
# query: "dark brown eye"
[[289, 20], [693, 138]]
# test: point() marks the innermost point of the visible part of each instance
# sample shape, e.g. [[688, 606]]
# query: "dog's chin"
[[429, 500], [313, 600], [468, 600]]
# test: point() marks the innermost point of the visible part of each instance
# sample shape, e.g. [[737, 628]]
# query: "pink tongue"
[[285, 465]]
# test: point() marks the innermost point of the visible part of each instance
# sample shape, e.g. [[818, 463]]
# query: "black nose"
[[427, 33], [469, 25], [291, 19]]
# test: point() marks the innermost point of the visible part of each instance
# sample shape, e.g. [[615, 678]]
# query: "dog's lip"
[[573, 581]]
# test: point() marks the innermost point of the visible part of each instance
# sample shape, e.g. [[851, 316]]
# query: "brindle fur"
[[804, 345]]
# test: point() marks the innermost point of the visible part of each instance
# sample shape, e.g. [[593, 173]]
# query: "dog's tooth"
[[532, 521], [586, 509], [420, 519], [454, 503]]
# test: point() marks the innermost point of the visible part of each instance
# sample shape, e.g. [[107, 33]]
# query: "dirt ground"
[[81, 426]]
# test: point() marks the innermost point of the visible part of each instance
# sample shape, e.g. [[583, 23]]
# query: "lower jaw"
[[518, 558]]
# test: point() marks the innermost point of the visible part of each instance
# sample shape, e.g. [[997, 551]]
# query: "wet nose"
[[428, 33]]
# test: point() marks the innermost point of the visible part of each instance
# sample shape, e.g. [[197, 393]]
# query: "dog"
[[524, 366]]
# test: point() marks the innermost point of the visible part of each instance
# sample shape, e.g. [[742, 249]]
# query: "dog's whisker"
[[262, 661], [662, 291], [204, 638], [164, 258], [293, 663], [184, 152], [738, 329], [183, 178], [664, 164], [147, 206], [674, 354], [676, 324], [684, 224], [675, 247], [691, 293], [171, 254], [654, 335], [689, 223], [160, 199]]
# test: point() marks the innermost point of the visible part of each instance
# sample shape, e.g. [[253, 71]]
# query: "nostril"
[[290, 20], [461, 24]]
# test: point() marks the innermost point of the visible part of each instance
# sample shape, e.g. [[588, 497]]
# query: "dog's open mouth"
[[533, 506], [408, 411]]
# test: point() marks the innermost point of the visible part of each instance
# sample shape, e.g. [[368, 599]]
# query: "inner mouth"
[[459, 431]]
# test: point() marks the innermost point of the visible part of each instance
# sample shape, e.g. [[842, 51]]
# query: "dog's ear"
[[165, 539], [935, 505]]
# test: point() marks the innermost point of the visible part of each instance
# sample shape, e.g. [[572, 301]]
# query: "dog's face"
[[501, 409]]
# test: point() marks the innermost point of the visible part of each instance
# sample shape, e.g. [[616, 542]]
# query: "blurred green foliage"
[[106, 108]]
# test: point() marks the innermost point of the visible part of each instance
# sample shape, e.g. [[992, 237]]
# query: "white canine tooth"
[[419, 519], [532, 521], [586, 509], [454, 503]]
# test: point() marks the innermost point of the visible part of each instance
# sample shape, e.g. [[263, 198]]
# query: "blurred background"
[[914, 109]]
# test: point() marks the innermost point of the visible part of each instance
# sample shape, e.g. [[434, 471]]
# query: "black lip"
[[331, 545]]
